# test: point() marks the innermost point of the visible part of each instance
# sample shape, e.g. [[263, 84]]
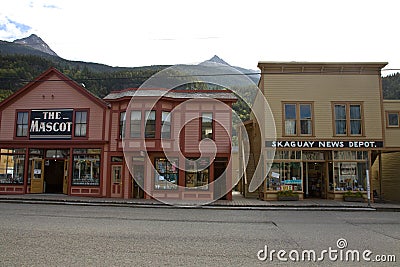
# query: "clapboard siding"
[[223, 131], [53, 94], [323, 90], [392, 135], [192, 132], [390, 179]]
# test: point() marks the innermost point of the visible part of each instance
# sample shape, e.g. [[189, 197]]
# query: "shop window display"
[[11, 167], [86, 170], [166, 176], [197, 174], [285, 176]]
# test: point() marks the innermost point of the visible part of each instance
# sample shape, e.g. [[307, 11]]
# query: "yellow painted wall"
[[392, 135], [323, 89]]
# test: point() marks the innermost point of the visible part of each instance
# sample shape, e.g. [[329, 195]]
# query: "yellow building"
[[385, 171], [330, 128]]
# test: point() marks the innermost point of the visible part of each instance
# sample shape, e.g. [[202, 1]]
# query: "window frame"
[[298, 118], [348, 105], [122, 124], [167, 126], [16, 124], [146, 119], [167, 172], [388, 112], [80, 124], [202, 137], [131, 125]]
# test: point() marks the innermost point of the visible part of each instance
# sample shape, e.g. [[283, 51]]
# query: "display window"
[[167, 173], [12, 166], [197, 173], [86, 167], [349, 171]]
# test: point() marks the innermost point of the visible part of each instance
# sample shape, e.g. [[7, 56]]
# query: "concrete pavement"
[[238, 202]]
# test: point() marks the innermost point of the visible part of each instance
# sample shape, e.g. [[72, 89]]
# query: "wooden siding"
[[390, 176], [53, 94], [223, 131], [192, 132], [323, 90], [392, 135]]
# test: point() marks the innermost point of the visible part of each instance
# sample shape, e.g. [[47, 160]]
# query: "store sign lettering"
[[323, 144], [51, 124]]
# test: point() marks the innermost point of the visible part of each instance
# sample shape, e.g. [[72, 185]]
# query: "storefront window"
[[349, 176], [285, 176], [86, 169], [12, 166], [167, 172], [197, 173], [349, 170]]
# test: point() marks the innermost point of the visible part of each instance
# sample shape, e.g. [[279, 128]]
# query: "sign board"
[[324, 144], [51, 124]]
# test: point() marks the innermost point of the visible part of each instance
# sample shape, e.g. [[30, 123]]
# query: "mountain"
[[252, 74], [37, 43]]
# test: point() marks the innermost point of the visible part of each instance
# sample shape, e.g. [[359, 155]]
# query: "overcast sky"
[[151, 32]]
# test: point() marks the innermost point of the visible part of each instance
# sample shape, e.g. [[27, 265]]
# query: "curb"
[[212, 206]]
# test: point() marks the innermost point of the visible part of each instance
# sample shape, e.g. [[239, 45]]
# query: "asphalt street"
[[70, 235]]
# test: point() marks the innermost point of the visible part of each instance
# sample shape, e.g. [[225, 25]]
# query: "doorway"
[[220, 165], [314, 179], [54, 176]]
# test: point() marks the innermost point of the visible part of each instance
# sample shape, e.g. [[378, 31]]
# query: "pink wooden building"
[[56, 137]]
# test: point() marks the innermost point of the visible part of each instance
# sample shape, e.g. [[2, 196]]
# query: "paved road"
[[62, 235]]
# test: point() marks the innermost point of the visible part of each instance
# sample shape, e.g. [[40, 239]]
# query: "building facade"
[[56, 137], [330, 128]]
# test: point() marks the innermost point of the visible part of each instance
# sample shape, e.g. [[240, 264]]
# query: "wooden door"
[[37, 176], [116, 181], [65, 179]]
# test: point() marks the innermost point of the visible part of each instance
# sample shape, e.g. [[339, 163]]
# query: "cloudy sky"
[[149, 32]]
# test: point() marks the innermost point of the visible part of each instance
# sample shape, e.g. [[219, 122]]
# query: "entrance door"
[[138, 181], [37, 176], [116, 181], [220, 165], [314, 179], [65, 180]]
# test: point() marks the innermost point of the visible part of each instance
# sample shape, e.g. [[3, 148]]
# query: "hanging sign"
[[51, 124]]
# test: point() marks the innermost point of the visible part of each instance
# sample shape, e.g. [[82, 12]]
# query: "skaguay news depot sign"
[[51, 124]]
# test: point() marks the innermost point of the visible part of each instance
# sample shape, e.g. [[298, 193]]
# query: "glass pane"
[[355, 127], [290, 127], [340, 112], [86, 170], [355, 112], [340, 126], [166, 125], [305, 111], [78, 117], [305, 127], [393, 119], [290, 111], [136, 123], [83, 116]]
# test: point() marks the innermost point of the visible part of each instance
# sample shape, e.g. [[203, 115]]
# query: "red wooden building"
[[56, 137]]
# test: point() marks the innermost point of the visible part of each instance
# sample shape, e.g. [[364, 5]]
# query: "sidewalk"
[[238, 202]]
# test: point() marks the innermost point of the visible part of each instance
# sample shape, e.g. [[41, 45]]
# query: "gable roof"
[[45, 77]]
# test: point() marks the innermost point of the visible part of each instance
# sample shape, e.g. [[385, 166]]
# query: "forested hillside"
[[391, 86]]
